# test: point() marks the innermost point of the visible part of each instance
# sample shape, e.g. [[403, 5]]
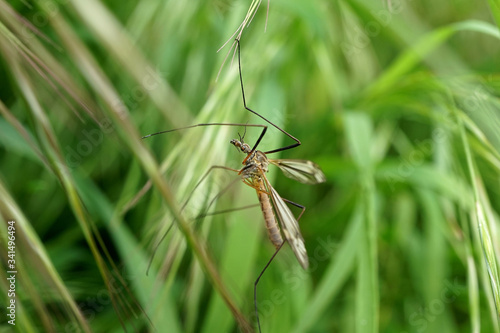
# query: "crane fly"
[[256, 165], [253, 174]]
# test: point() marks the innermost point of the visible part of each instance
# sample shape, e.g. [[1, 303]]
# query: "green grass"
[[397, 101]]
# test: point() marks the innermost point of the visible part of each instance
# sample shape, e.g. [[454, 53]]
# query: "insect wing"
[[290, 228], [304, 171]]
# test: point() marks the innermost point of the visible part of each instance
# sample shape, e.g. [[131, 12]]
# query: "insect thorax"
[[256, 165], [260, 159]]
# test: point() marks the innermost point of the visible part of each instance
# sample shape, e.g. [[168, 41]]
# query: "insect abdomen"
[[273, 230]]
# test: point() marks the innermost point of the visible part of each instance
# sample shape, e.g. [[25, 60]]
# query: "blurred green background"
[[396, 100]]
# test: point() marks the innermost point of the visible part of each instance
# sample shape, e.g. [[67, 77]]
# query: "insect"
[[277, 216], [256, 165], [254, 175]]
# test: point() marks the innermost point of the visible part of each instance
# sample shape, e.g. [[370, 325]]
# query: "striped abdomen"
[[273, 230]]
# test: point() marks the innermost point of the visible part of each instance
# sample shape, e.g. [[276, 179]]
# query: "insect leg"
[[297, 142], [257, 282], [273, 256], [213, 167], [296, 205], [264, 127], [226, 211]]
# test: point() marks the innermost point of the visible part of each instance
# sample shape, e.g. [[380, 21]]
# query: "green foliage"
[[397, 101]]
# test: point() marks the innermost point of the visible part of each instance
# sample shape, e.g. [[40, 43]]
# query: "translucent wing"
[[304, 171], [290, 227]]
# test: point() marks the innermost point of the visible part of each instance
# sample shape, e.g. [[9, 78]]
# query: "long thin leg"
[[297, 142], [157, 246], [257, 282], [203, 178], [270, 260], [224, 211], [264, 128], [221, 192], [296, 205], [213, 167]]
